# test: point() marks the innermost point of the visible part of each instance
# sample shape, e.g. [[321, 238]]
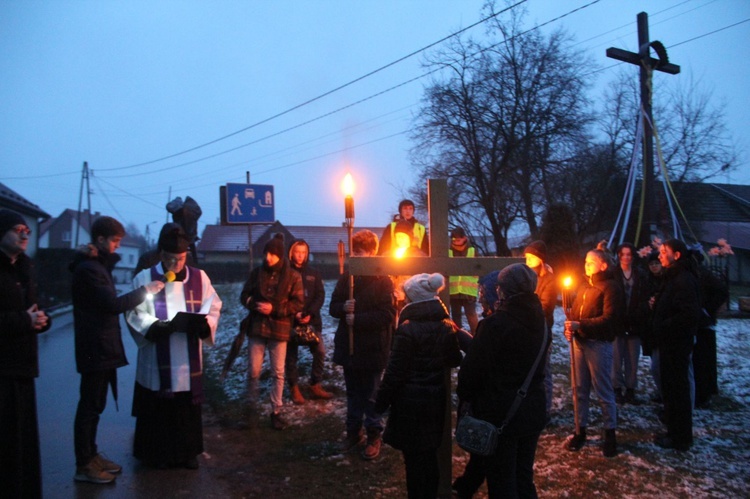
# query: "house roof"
[[69, 214], [12, 200], [704, 202], [233, 238]]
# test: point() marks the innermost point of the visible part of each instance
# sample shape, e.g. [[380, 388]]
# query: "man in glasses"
[[20, 321]]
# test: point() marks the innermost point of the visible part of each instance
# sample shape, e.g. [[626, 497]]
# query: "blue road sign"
[[250, 204]]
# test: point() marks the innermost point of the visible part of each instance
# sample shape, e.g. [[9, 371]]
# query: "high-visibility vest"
[[464, 284], [419, 231]]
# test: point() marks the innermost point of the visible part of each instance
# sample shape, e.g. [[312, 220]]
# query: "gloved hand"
[[204, 330], [159, 329]]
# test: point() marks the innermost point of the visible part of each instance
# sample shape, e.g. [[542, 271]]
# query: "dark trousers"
[[467, 484], [422, 474], [510, 471], [674, 358], [20, 461], [291, 367], [704, 366], [93, 400], [361, 387]]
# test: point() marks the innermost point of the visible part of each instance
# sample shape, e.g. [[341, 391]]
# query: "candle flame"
[[347, 185]]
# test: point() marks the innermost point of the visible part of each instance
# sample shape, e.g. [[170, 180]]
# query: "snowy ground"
[[718, 465]]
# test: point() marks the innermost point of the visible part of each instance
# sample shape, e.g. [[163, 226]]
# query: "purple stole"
[[193, 290]]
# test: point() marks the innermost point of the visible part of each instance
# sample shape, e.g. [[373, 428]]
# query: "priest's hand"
[[203, 330], [159, 329], [154, 287]]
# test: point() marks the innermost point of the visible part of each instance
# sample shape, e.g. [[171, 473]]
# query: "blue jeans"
[[277, 355], [594, 370], [361, 387], [625, 357], [292, 357]]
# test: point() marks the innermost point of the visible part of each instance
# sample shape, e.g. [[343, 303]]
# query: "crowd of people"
[[395, 341]]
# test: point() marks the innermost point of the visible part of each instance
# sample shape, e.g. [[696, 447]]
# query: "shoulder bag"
[[480, 437]]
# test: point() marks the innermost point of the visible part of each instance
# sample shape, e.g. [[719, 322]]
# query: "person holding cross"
[[370, 317]]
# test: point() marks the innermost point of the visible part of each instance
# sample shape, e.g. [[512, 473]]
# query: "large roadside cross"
[[647, 65], [438, 261]]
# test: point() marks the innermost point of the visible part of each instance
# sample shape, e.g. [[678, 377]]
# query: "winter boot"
[[319, 392], [352, 440], [609, 448], [576, 441], [372, 449], [278, 422], [297, 397]]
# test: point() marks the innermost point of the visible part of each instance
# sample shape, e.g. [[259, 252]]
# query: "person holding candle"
[[592, 327], [418, 234]]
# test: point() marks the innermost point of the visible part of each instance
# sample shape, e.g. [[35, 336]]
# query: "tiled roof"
[[230, 238], [12, 200]]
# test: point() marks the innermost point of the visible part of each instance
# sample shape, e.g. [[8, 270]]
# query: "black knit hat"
[[172, 239], [458, 232], [275, 246], [537, 248], [516, 279], [8, 220]]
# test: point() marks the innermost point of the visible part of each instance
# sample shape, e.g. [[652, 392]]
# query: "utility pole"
[[84, 179], [249, 232], [647, 66]]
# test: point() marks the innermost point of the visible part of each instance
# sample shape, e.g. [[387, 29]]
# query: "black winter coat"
[[312, 285], [598, 307], [96, 312], [424, 346], [634, 317], [677, 311], [500, 357], [18, 341], [374, 317]]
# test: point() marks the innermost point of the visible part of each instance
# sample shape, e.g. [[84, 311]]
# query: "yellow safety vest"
[[463, 284], [419, 231]]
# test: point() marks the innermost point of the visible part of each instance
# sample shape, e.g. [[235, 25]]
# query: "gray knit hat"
[[516, 279], [423, 287]]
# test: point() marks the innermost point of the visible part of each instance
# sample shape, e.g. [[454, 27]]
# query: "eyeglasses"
[[22, 231]]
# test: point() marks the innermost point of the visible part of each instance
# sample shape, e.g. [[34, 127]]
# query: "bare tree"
[[494, 121]]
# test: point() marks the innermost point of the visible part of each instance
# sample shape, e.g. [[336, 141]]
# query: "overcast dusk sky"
[[125, 84]]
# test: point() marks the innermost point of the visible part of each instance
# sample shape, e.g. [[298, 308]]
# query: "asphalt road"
[[57, 398]]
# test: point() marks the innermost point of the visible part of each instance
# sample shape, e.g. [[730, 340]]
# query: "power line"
[[325, 94]]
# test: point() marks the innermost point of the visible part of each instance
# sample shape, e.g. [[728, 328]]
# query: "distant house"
[[32, 213], [64, 230], [224, 244], [719, 211], [68, 230]]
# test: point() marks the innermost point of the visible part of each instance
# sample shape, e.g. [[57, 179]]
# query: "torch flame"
[[567, 282], [347, 185]]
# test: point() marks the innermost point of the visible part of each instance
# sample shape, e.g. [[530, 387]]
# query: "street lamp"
[[347, 185]]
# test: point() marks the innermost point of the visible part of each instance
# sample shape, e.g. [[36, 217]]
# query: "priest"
[[169, 375]]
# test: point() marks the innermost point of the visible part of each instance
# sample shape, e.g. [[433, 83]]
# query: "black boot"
[[609, 448], [576, 441]]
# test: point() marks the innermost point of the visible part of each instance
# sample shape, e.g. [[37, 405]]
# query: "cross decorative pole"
[[438, 261], [647, 65]]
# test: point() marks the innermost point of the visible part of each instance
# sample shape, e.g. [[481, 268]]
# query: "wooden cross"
[[438, 261], [647, 65]]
